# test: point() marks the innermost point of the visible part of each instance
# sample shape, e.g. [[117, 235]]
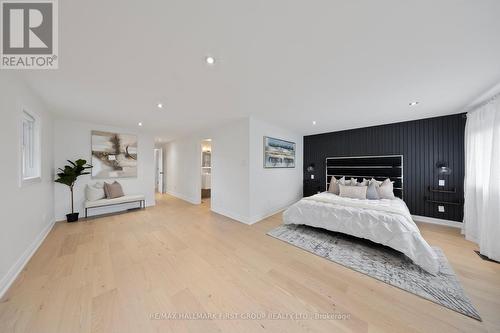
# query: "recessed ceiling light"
[[413, 103], [314, 122], [210, 60], [140, 124], [160, 106]]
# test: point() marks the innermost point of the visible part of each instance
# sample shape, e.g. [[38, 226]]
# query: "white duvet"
[[386, 222]]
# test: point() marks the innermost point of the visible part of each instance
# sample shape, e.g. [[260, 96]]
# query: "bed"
[[382, 221]]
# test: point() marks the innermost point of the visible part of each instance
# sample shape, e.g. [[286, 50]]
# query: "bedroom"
[[353, 181]]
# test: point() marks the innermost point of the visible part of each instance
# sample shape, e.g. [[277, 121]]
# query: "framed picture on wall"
[[278, 153], [114, 155]]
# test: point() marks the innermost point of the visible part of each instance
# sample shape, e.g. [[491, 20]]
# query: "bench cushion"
[[124, 199]]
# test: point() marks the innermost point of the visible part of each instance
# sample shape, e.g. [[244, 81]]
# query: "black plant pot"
[[73, 217]]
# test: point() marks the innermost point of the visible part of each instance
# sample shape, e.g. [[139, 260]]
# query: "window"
[[30, 147]]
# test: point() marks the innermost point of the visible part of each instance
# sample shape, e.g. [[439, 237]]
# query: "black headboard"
[[359, 167]]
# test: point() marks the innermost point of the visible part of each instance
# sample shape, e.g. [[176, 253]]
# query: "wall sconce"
[[310, 168], [443, 168]]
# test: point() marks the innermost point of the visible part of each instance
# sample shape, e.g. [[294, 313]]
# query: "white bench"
[[116, 201]]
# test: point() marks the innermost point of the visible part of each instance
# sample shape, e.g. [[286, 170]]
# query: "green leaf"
[[69, 174]]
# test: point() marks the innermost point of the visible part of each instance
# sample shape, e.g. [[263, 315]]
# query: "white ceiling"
[[343, 63]]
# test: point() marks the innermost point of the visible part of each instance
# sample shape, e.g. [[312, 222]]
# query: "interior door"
[[159, 170]]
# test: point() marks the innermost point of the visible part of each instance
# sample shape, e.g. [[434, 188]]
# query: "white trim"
[[11, 275], [273, 212], [231, 215], [263, 217], [247, 220], [31, 180], [23, 181], [195, 201], [432, 220]]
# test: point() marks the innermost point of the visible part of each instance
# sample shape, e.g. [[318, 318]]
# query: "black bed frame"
[[359, 167]]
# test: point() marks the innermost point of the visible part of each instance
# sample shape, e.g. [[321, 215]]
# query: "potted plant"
[[68, 176]]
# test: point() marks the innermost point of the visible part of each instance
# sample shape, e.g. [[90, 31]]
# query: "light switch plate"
[[441, 209], [441, 182], [312, 176]]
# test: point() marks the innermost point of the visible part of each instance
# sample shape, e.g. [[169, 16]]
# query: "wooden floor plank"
[[122, 273]]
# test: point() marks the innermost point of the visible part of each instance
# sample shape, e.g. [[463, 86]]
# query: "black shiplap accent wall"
[[422, 143]]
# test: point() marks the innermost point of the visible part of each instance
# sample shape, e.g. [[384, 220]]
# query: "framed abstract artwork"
[[114, 155], [278, 153]]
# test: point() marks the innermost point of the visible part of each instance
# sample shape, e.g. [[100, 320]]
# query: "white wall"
[[271, 190], [241, 188], [27, 212], [72, 140], [182, 168], [229, 194], [230, 173]]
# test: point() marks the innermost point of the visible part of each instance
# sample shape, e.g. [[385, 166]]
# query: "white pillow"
[[386, 190], [355, 192], [365, 182], [98, 185], [334, 185], [372, 191], [94, 192], [352, 182]]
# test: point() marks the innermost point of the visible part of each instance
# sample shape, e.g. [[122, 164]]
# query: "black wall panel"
[[423, 143]]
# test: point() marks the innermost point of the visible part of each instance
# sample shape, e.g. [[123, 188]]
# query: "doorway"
[[206, 170], [158, 154]]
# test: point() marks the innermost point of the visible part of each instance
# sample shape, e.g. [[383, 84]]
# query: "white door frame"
[[200, 154], [159, 170]]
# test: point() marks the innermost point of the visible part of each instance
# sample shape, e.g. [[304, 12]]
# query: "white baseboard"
[[433, 220], [273, 212], [263, 217], [194, 201], [231, 215], [250, 220], [18, 266]]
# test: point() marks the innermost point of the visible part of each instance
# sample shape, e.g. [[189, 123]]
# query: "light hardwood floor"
[[113, 273]]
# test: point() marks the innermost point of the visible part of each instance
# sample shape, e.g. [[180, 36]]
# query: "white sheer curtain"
[[482, 178]]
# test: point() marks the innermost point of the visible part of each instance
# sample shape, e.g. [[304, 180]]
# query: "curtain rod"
[[488, 101], [483, 99]]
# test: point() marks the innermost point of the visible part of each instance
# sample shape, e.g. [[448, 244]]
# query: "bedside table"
[[311, 187]]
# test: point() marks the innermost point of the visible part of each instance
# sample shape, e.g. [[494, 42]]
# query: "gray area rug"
[[382, 263]]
